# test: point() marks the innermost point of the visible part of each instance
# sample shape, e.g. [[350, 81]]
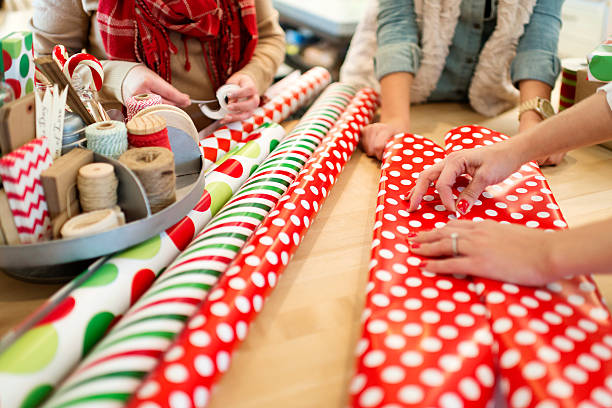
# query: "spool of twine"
[[148, 130], [139, 102], [107, 138], [97, 186], [154, 167], [93, 222]]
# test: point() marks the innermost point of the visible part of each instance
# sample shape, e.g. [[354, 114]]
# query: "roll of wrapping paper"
[[569, 70], [276, 110], [418, 334], [554, 342], [600, 62], [202, 352], [137, 103], [68, 332], [111, 372]]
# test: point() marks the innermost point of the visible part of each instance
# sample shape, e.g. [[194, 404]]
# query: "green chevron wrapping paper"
[[114, 369], [38, 360]]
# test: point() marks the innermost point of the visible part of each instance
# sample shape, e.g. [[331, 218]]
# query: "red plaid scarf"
[[137, 30]]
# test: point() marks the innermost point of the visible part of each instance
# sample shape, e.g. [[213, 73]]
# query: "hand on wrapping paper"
[[374, 137], [141, 80], [486, 166], [243, 102], [488, 249]]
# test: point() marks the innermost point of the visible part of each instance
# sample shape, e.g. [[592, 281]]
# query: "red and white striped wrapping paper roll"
[[555, 342], [426, 339], [528, 330], [218, 143], [20, 171], [225, 316]]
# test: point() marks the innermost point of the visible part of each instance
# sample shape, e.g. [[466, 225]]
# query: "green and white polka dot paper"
[[17, 60]]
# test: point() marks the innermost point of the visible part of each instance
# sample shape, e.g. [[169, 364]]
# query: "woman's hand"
[[242, 102], [488, 249], [486, 166], [141, 80], [374, 137]]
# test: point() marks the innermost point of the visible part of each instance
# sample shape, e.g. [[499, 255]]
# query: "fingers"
[[374, 139], [422, 185], [244, 92], [463, 265], [471, 193], [235, 117], [248, 106], [169, 94], [447, 178]]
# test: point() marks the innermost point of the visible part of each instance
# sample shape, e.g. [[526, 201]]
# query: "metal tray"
[[59, 260]]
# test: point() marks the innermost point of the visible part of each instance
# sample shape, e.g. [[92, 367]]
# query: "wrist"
[[399, 123]]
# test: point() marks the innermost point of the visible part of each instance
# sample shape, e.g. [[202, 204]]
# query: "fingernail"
[[463, 206], [422, 264], [411, 235], [415, 245]]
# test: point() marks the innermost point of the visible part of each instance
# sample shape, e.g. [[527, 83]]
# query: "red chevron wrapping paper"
[[20, 171], [224, 318], [431, 340], [218, 143]]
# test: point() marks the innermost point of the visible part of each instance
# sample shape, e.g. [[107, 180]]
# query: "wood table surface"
[[299, 352]]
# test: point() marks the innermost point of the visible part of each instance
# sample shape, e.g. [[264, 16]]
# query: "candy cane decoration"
[[60, 55], [95, 67]]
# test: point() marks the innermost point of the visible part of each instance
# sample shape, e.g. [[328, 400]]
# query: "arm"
[[257, 74], [586, 123], [396, 61]]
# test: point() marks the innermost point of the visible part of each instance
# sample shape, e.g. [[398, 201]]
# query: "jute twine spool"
[[139, 102], [93, 222], [154, 167], [97, 186], [148, 130], [107, 138]]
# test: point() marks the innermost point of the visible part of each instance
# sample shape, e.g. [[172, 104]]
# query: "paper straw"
[[555, 342], [426, 340], [71, 329], [276, 110], [225, 316], [112, 370]]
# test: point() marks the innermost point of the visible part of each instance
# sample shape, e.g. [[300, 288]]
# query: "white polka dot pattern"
[[250, 278], [550, 341]]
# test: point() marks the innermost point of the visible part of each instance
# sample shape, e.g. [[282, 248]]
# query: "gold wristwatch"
[[541, 105]]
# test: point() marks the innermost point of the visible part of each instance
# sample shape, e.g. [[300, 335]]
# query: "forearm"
[[586, 123], [530, 89], [395, 97], [583, 250]]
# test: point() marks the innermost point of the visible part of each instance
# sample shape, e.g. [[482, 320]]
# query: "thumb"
[[470, 194], [169, 93]]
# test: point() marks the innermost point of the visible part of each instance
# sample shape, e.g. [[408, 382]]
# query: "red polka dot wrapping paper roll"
[[276, 110], [224, 318], [70, 330], [430, 340], [554, 342]]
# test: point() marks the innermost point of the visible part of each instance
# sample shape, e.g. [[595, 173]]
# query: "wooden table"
[[299, 352]]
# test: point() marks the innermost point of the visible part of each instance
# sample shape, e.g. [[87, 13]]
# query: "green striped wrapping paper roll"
[[116, 366], [32, 366]]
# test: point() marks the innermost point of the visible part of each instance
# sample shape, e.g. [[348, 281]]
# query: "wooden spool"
[[146, 125]]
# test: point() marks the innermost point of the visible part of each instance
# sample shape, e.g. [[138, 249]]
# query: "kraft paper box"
[[18, 62]]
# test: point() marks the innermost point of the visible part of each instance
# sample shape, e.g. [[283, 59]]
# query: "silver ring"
[[454, 238]]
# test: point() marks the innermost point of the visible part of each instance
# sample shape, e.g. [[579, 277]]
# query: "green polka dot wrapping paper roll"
[[18, 62], [432, 340], [600, 63]]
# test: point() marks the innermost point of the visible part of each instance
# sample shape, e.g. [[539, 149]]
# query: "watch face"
[[546, 108]]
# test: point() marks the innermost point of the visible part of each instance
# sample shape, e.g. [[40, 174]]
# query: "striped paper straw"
[[113, 369], [67, 334], [276, 110], [187, 376]]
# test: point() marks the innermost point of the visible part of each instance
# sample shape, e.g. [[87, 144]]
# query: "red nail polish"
[[463, 206], [411, 235], [416, 245], [423, 264]]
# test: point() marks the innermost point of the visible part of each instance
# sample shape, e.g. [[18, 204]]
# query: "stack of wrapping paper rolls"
[[434, 340], [57, 342]]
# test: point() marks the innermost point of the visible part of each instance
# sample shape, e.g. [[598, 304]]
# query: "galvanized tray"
[[59, 260]]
